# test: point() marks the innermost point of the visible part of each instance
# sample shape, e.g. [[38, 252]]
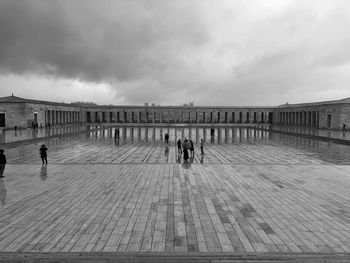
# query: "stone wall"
[[14, 114], [325, 116]]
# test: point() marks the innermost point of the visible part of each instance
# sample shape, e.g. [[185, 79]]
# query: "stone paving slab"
[[166, 208], [174, 257], [251, 195]]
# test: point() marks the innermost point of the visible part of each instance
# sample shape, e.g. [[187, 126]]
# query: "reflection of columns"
[[203, 116], [196, 116], [314, 118]]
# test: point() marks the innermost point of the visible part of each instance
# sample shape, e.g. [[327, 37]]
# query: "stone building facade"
[[177, 114], [19, 112], [15, 111], [325, 115]]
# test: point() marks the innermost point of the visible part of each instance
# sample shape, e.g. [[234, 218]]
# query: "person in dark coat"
[[186, 147], [191, 148], [202, 146], [2, 163], [43, 153], [179, 147]]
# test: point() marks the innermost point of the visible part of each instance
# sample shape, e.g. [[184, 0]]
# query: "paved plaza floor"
[[251, 192]]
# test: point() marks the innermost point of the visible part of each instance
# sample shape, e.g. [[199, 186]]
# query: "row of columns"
[[62, 117], [302, 118], [178, 117]]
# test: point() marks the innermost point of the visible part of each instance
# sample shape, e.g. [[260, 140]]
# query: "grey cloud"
[[94, 40]]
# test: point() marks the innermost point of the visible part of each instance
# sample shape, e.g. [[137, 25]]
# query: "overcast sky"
[[170, 52]]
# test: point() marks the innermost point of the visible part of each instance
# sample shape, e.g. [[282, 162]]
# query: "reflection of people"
[[43, 172], [2, 163], [166, 137], [166, 152], [202, 158], [344, 126], [43, 153], [186, 165], [3, 192], [179, 158], [161, 134]]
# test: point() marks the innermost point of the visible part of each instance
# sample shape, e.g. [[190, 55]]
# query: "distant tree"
[[84, 103]]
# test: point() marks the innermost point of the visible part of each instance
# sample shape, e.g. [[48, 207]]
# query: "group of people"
[[42, 152], [187, 145]]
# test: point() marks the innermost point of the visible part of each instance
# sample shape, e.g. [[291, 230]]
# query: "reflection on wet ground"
[[7, 136], [230, 145], [337, 134]]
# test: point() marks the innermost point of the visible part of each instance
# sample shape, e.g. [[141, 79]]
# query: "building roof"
[[15, 99], [341, 101]]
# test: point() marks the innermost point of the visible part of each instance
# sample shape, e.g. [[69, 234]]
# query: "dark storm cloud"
[[227, 52], [94, 40]]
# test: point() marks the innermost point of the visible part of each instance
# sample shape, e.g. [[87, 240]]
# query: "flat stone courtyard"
[[251, 192]]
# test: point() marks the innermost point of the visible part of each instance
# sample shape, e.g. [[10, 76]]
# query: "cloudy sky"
[[227, 52]]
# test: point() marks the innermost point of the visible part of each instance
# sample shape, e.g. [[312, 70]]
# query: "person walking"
[[202, 147], [179, 146], [2, 163], [43, 153], [191, 148]]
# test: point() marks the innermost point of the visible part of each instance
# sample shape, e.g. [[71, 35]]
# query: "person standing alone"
[[2, 163], [43, 153], [202, 146]]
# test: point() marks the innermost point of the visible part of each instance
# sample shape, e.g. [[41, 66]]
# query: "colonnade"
[[62, 116], [177, 116], [301, 118]]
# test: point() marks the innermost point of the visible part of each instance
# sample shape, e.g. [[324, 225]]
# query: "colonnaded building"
[[20, 112]]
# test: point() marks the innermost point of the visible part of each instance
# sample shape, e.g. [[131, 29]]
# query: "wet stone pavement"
[[252, 192]]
